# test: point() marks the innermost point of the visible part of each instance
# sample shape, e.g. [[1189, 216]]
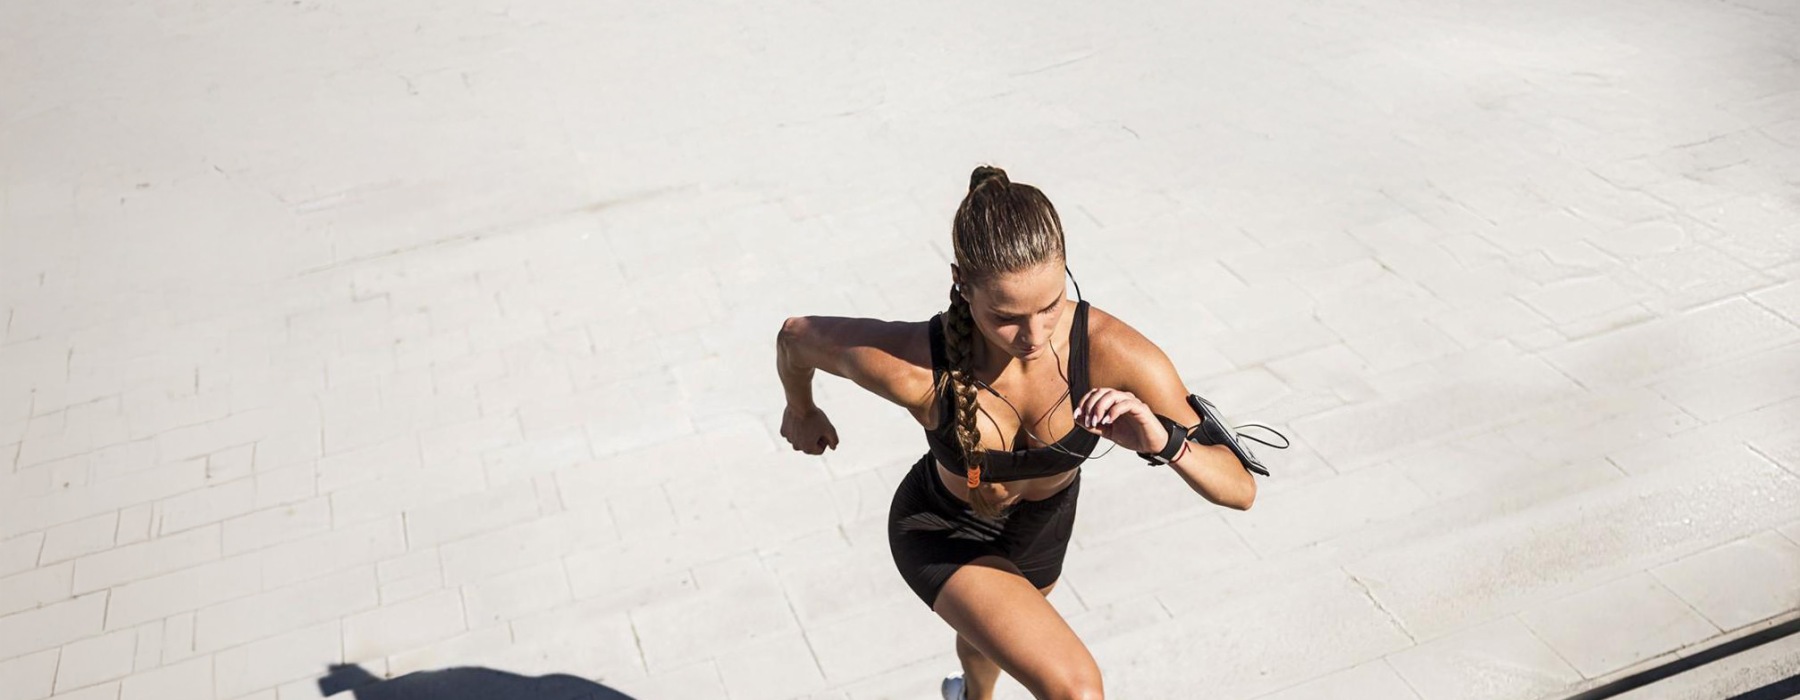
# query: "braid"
[[1001, 227], [958, 341]]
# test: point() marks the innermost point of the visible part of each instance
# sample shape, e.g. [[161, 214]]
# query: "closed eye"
[[1013, 319]]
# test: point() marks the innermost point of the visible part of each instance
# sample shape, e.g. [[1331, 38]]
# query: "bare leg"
[[1009, 625], [980, 673]]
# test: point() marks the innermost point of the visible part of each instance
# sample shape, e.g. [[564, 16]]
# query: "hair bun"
[[984, 173]]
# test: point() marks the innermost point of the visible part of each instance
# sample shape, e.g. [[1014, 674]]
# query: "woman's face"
[[1019, 312]]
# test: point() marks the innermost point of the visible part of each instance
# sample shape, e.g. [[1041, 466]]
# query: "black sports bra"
[[1032, 462]]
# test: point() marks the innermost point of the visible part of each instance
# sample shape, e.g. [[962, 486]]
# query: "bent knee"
[[1077, 684]]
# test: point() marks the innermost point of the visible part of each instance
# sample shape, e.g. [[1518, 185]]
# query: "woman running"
[[979, 527]]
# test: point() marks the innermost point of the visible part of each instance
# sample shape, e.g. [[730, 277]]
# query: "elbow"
[[791, 329], [1248, 496]]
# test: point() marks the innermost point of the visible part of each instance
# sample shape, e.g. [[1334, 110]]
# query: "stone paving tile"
[[1783, 299], [1118, 569], [35, 588], [780, 666], [408, 624], [1580, 297], [81, 537], [1292, 630], [349, 547], [1100, 622], [247, 619], [178, 640], [1747, 670], [1764, 568], [1616, 624], [1401, 345], [269, 662], [845, 653], [1725, 390], [52, 625], [20, 553], [1510, 564], [700, 680], [920, 679], [1708, 442], [485, 646], [1329, 509], [276, 525], [827, 581], [1590, 426], [108, 691], [515, 594], [1791, 530], [1501, 659], [96, 659], [1703, 335], [1480, 387], [681, 627], [1373, 679], [598, 640], [28, 677], [189, 679], [1694, 276], [159, 555]]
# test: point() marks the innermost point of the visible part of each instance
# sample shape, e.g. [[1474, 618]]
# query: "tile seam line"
[[1392, 619], [1553, 650]]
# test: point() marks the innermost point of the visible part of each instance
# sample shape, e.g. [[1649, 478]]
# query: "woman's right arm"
[[797, 354], [870, 352], [866, 351]]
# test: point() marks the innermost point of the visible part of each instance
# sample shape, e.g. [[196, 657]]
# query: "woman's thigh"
[[991, 605]]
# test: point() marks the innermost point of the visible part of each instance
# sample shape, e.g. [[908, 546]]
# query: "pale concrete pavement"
[[418, 335]]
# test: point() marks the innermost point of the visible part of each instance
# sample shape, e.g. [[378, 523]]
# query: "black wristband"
[[1177, 434]]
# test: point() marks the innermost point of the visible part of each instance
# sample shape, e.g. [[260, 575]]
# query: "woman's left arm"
[[1149, 385]]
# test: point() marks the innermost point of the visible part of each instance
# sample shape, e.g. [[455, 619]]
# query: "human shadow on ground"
[[464, 683]]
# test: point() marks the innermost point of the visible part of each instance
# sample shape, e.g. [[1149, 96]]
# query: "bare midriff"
[[1034, 489]]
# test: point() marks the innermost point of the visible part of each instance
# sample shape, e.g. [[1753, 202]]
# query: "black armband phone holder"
[[1210, 431]]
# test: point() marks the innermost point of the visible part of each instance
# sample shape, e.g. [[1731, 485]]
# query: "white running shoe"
[[952, 688]]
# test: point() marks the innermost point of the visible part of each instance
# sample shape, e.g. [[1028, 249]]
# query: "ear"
[[956, 277]]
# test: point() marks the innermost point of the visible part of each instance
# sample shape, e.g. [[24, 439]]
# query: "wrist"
[[1180, 455], [1174, 443]]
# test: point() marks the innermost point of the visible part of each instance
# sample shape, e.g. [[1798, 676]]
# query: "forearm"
[[796, 376], [1215, 473]]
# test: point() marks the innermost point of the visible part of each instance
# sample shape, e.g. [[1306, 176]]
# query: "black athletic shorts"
[[931, 533]]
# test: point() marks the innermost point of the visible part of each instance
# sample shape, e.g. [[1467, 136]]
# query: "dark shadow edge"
[[1689, 663], [1779, 690]]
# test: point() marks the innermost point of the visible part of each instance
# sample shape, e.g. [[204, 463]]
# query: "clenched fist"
[[808, 431]]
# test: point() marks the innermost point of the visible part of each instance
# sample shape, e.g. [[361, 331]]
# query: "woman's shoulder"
[[1112, 342]]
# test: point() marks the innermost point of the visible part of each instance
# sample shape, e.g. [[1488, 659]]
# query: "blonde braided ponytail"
[[1001, 227], [959, 330]]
